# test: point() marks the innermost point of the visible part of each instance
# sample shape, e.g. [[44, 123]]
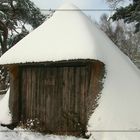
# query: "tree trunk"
[[4, 37]]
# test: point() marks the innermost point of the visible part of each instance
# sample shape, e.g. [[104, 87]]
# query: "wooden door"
[[58, 99]]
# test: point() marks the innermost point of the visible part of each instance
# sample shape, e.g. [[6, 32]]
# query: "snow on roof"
[[66, 35], [71, 35]]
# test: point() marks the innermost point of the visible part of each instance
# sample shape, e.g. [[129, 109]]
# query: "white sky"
[[83, 4]]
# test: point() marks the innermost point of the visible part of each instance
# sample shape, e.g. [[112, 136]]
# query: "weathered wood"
[[58, 98], [14, 94]]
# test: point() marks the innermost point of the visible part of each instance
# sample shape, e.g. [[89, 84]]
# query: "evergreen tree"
[[15, 18], [130, 13]]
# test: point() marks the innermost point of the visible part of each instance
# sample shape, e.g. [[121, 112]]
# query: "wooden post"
[[14, 93]]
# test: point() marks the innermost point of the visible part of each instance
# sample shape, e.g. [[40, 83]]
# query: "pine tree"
[[130, 13], [15, 15]]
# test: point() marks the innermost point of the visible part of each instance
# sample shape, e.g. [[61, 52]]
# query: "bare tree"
[[122, 35]]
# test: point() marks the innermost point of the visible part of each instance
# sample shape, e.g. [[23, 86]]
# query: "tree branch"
[[4, 29]]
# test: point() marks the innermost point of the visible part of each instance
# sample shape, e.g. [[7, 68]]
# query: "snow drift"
[[5, 116]]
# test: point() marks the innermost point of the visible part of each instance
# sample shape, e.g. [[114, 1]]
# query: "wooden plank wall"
[[59, 99], [14, 94]]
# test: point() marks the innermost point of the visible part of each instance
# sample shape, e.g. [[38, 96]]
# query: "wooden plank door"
[[55, 99]]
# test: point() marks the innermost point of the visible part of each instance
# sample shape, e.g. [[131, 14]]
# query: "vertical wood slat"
[[59, 97], [14, 94], [23, 96]]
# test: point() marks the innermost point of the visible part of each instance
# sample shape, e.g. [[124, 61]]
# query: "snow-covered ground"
[[20, 134], [71, 35], [5, 116]]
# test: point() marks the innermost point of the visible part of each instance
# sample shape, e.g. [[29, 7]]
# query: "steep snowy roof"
[[66, 35], [71, 35]]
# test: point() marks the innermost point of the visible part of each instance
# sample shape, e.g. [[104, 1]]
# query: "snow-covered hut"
[[54, 79]]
